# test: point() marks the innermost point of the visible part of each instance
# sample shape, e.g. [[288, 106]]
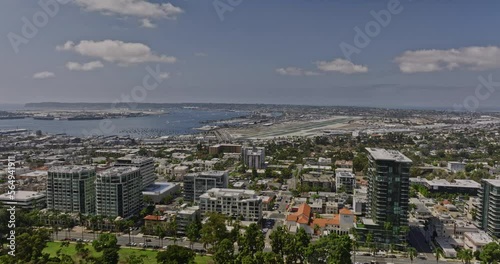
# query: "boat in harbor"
[[43, 117], [85, 117]]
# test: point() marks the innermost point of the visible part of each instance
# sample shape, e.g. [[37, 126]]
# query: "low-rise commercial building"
[[224, 148], [476, 240], [159, 190], [24, 200]]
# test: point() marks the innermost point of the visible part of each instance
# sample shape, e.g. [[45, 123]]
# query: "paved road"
[[124, 239], [417, 240], [399, 260]]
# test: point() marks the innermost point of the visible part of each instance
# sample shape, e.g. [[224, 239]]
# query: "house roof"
[[302, 216], [155, 217], [322, 222], [345, 211]]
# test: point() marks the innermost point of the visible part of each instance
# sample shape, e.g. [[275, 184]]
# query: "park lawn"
[[52, 248]]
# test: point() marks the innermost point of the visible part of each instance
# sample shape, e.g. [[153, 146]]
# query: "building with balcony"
[[185, 217], [488, 214], [388, 195], [236, 203], [318, 181], [145, 165], [253, 157], [118, 192], [196, 184], [345, 181], [71, 189]]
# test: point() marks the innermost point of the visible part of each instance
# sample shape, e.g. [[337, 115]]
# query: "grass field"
[[53, 247]]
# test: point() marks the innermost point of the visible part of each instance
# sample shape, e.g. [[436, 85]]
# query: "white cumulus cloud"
[[469, 58], [138, 8], [294, 71], [43, 75], [146, 23], [75, 66], [122, 53], [341, 65]]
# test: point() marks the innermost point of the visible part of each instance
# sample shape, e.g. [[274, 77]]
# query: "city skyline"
[[253, 52]]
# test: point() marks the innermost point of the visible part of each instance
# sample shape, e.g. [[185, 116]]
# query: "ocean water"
[[176, 122]]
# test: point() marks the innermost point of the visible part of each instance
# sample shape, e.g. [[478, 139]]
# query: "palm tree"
[[128, 226], [172, 228], [388, 229], [438, 251], [160, 232], [466, 255], [412, 253], [54, 222], [93, 222], [369, 240], [82, 219], [354, 248]]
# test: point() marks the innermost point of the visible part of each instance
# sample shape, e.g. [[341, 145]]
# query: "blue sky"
[[430, 54]]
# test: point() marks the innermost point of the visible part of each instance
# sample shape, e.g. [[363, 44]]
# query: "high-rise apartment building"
[[488, 211], [253, 157], [244, 204], [118, 192], [145, 164], [196, 184], [388, 194], [71, 189]]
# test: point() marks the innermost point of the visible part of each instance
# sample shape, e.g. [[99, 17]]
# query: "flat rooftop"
[[72, 168], [22, 196], [457, 183], [495, 183], [158, 188], [219, 192], [133, 159], [207, 173], [344, 174], [116, 171], [479, 238], [387, 154]]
